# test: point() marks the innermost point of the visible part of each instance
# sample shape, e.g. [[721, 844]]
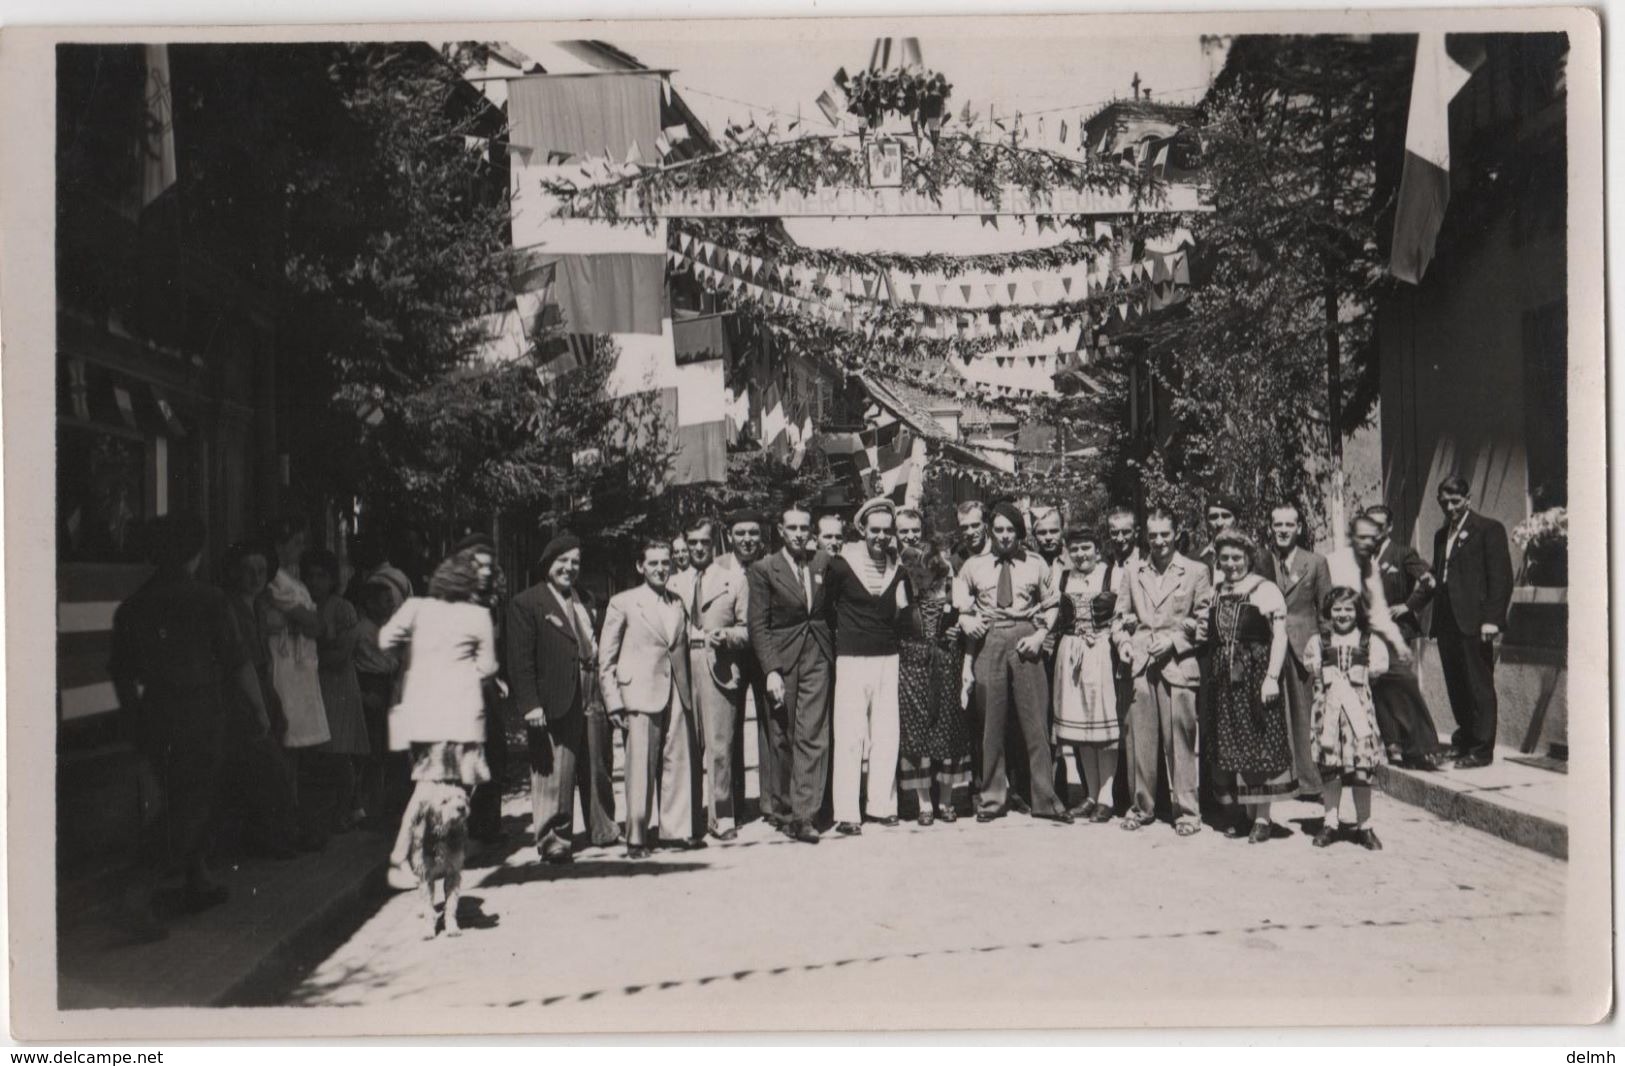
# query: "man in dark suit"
[[1304, 579], [1474, 565], [790, 635], [552, 663]]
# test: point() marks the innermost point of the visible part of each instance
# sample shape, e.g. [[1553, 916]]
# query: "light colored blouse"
[[453, 651]]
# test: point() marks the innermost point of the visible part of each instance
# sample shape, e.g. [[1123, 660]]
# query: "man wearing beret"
[[553, 669]]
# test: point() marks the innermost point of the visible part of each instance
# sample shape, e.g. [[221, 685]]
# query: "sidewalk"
[[1526, 805], [276, 912]]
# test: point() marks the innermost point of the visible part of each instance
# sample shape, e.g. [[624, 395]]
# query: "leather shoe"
[[556, 856], [847, 829], [1260, 833], [927, 819], [725, 834], [888, 821], [1325, 837], [1471, 762], [802, 833], [1019, 805], [637, 852], [1063, 817], [1368, 840], [948, 814]]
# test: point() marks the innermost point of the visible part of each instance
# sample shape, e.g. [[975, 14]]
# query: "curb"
[[1523, 828], [322, 930]]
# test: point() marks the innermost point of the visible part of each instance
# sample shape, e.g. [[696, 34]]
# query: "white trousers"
[[865, 725]]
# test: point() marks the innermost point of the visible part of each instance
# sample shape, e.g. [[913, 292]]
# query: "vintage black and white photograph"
[[953, 523]]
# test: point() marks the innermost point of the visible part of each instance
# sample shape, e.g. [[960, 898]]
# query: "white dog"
[[439, 838]]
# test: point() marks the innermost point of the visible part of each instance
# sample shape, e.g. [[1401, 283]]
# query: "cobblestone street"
[[1015, 923]]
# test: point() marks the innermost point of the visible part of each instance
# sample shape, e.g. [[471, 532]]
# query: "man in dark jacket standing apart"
[[790, 634], [552, 664], [1474, 565]]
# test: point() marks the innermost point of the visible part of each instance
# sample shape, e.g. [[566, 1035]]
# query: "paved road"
[[1014, 923]]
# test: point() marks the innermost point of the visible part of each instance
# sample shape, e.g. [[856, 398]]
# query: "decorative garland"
[[758, 168], [753, 240], [1126, 293]]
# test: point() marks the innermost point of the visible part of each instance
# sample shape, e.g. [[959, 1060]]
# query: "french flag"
[[1444, 63]]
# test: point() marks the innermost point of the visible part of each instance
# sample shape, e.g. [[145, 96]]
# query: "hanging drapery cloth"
[[586, 116]]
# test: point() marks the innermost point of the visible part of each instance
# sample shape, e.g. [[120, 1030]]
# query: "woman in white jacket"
[[441, 716]]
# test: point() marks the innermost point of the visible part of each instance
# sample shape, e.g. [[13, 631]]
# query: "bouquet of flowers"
[[1543, 530], [921, 96]]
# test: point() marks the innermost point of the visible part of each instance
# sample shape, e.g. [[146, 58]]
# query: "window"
[[101, 495]]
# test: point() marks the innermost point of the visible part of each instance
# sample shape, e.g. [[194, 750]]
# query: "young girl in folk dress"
[[1085, 696], [1345, 740]]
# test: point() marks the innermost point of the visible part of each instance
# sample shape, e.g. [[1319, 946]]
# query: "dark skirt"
[[932, 721], [1252, 735]]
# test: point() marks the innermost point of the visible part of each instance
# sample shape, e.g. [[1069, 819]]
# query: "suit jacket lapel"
[[566, 613], [1293, 572], [787, 577], [1159, 586]]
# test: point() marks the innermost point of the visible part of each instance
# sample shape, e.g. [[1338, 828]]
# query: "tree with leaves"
[[1272, 359]]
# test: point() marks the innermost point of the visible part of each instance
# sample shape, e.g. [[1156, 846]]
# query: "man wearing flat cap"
[[1007, 604], [553, 669]]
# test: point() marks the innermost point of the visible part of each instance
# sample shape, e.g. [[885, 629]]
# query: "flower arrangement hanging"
[[1543, 538], [921, 96]]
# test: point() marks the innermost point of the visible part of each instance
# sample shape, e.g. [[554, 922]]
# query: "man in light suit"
[[1304, 579], [553, 670], [716, 599], [790, 635], [1470, 556], [1155, 632], [644, 671]]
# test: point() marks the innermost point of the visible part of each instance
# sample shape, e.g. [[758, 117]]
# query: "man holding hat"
[[552, 666], [748, 540], [1008, 604]]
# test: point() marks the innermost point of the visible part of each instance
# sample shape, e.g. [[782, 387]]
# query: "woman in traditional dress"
[[1346, 741], [935, 743], [441, 716], [1085, 689], [1247, 630]]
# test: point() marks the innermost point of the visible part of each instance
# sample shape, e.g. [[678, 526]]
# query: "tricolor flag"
[[1444, 63], [158, 127], [833, 101]]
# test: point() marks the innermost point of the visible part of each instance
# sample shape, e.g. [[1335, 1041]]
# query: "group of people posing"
[[959, 672], [880, 659]]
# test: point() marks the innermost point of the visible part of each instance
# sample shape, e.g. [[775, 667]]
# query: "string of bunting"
[[872, 305], [751, 238], [757, 166]]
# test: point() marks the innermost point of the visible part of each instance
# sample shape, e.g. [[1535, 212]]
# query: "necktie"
[[694, 612], [805, 574], [1007, 594]]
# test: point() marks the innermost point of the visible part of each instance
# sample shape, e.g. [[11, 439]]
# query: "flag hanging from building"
[[1444, 63], [158, 127]]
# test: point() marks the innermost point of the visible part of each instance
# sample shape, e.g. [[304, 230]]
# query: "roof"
[[1178, 114], [886, 394]]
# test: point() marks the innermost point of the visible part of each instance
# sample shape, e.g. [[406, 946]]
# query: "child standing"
[[1345, 740]]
